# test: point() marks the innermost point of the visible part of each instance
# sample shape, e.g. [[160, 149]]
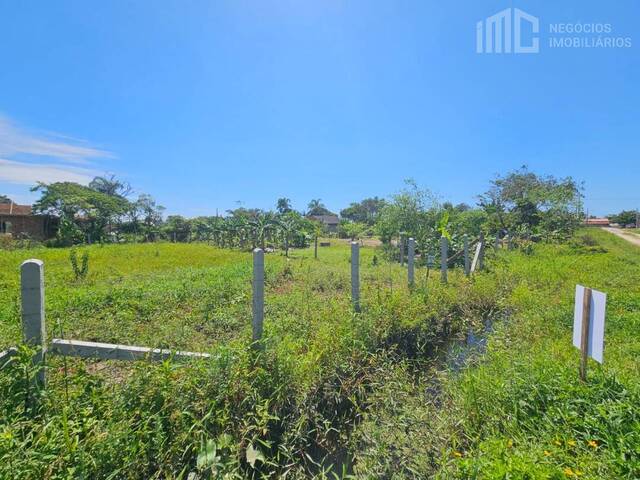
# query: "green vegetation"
[[520, 411], [296, 407], [624, 218], [476, 378], [381, 394]]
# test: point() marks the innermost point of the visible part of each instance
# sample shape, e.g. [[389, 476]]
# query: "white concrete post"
[[497, 245], [467, 260], [355, 275], [258, 295], [33, 326], [411, 262], [481, 254], [444, 253]]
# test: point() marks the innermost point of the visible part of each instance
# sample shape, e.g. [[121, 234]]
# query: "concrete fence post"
[[33, 326], [481, 254], [258, 296], [355, 276], [411, 262], [444, 254], [497, 244], [467, 260]]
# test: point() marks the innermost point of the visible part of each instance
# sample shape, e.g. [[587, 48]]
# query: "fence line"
[[34, 326]]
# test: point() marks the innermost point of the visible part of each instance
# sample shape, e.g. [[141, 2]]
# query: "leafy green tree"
[[90, 211], [527, 203], [4, 199], [294, 230], [412, 212], [177, 228], [625, 217], [366, 211], [352, 230], [316, 207], [283, 205], [148, 216]]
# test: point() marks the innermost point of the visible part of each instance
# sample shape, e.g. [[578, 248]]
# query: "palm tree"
[[315, 203], [283, 205]]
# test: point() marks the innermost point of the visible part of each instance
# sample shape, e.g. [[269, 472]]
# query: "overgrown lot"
[[520, 411], [334, 393]]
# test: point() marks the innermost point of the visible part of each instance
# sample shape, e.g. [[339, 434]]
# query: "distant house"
[[329, 222], [597, 222], [19, 221]]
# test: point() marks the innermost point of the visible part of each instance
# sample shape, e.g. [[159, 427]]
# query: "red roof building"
[[597, 222], [19, 221]]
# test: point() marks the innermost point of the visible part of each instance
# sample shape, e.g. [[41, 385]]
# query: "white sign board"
[[596, 322]]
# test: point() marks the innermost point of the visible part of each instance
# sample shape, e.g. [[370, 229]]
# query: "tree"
[[147, 215], [283, 205], [264, 224], [316, 207], [177, 228], [352, 230], [5, 200], [412, 212], [366, 211], [523, 201], [80, 208], [111, 186], [625, 217]]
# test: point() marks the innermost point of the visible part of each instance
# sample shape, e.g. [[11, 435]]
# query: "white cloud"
[[50, 158], [14, 141], [30, 173]]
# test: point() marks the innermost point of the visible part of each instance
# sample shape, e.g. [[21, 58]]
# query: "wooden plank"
[[111, 351]]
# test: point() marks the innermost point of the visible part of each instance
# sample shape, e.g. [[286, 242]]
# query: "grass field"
[[372, 395], [519, 411]]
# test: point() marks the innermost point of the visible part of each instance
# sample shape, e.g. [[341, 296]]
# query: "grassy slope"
[[520, 411]]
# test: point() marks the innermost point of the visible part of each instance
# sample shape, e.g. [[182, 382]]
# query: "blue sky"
[[204, 104]]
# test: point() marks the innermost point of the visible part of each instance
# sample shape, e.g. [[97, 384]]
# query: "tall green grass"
[[334, 394], [520, 410], [290, 411]]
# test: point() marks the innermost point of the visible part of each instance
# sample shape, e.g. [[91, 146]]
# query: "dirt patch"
[[629, 237]]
